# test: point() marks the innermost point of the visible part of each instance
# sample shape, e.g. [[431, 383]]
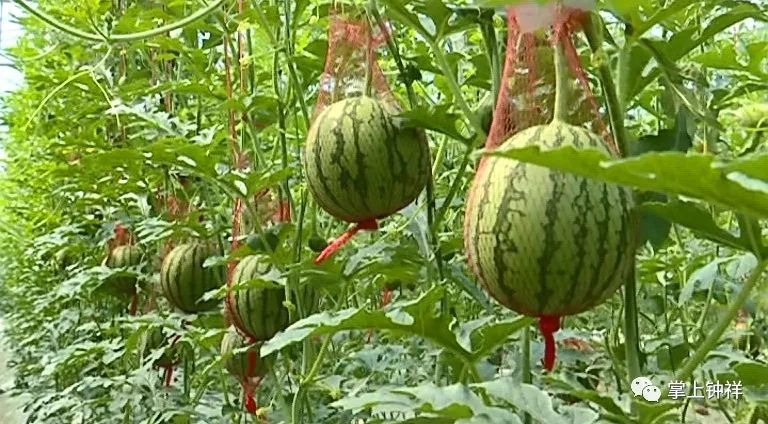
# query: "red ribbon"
[[336, 245], [169, 368], [549, 325], [168, 375], [249, 388]]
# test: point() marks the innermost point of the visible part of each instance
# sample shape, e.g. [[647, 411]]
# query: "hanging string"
[[249, 387], [368, 225], [549, 325]]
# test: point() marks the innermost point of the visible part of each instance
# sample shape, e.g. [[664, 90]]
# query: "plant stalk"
[[561, 83], [713, 337]]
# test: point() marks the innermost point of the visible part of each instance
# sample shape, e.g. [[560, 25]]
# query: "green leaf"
[[741, 184], [687, 39], [417, 317], [431, 402], [527, 398], [399, 12], [457, 276], [437, 119], [697, 219]]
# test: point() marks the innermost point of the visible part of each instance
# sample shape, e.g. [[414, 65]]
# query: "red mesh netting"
[[352, 70], [351, 60], [528, 87], [527, 94]]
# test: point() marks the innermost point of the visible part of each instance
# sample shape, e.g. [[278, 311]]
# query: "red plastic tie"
[[249, 388], [369, 225], [169, 368], [386, 297], [168, 375], [250, 401], [549, 325]]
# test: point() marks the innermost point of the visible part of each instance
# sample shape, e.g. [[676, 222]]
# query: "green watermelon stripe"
[[317, 153], [603, 243], [613, 268], [184, 272], [480, 213], [359, 182], [394, 189], [190, 275], [582, 233], [625, 240], [476, 218], [551, 241], [345, 150]]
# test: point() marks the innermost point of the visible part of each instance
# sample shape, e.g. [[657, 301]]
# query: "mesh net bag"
[[527, 94], [351, 60], [352, 70]]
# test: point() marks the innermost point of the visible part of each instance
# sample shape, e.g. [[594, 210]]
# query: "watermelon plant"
[[237, 139]]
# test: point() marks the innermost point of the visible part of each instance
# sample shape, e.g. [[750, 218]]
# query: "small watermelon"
[[184, 281], [361, 164], [546, 243], [258, 311], [155, 339], [63, 259], [317, 243], [245, 364], [266, 243], [123, 257]]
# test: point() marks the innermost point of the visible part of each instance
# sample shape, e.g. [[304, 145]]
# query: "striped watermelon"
[[546, 243], [123, 257], [360, 164], [183, 280], [63, 259], [259, 311], [154, 339], [245, 364]]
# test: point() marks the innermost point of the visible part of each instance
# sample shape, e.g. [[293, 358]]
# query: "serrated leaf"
[[423, 320], [741, 184]]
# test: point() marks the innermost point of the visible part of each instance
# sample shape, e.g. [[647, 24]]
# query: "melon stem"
[[561, 79]]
